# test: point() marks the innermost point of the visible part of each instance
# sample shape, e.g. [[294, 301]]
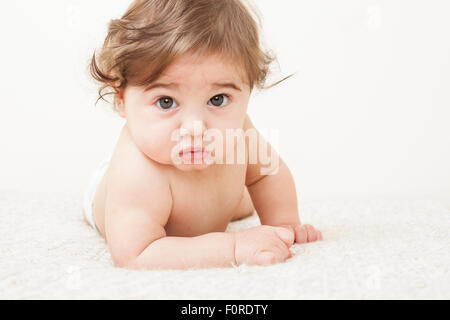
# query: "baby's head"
[[176, 64]]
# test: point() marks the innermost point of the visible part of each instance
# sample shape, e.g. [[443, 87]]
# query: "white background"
[[367, 114]]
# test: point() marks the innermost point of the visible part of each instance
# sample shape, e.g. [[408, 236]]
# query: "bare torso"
[[201, 205]]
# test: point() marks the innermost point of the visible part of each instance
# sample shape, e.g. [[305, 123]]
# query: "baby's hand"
[[263, 245], [304, 233]]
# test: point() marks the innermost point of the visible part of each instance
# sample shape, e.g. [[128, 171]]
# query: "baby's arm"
[[136, 213], [274, 196], [138, 206]]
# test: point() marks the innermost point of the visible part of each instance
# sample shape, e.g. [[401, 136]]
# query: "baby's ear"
[[120, 102]]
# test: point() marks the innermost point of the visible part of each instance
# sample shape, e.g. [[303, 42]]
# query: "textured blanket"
[[372, 249]]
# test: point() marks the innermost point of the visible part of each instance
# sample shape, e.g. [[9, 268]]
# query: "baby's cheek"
[[158, 150], [154, 145]]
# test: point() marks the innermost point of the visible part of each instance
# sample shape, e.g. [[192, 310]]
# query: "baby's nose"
[[193, 128]]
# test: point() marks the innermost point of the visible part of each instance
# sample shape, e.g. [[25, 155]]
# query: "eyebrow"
[[171, 85]]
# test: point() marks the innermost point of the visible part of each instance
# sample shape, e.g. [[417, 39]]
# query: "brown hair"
[[152, 33]]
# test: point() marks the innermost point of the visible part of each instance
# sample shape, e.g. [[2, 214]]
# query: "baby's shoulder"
[[135, 180], [129, 164], [132, 168]]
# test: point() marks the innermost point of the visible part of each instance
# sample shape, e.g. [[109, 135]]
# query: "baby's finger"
[[319, 235], [284, 234], [312, 235], [282, 251], [301, 235]]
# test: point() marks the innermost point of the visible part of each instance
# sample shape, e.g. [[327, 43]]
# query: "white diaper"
[[88, 200]]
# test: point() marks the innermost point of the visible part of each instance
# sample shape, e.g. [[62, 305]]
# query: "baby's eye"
[[166, 103], [219, 100]]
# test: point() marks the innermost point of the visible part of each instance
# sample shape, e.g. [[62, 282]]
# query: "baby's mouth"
[[193, 154]]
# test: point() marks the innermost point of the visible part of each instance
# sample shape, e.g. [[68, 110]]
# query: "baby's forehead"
[[211, 68]]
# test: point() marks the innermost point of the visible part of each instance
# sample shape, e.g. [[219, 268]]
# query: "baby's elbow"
[[130, 253], [135, 262], [123, 256], [125, 262]]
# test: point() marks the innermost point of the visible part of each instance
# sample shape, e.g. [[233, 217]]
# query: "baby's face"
[[193, 95]]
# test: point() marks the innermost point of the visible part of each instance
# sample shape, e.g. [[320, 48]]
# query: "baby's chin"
[[197, 165], [182, 165], [192, 167]]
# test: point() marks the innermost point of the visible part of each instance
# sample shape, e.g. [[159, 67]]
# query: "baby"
[[181, 73]]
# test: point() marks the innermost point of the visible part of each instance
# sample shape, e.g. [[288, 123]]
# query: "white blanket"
[[372, 249]]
